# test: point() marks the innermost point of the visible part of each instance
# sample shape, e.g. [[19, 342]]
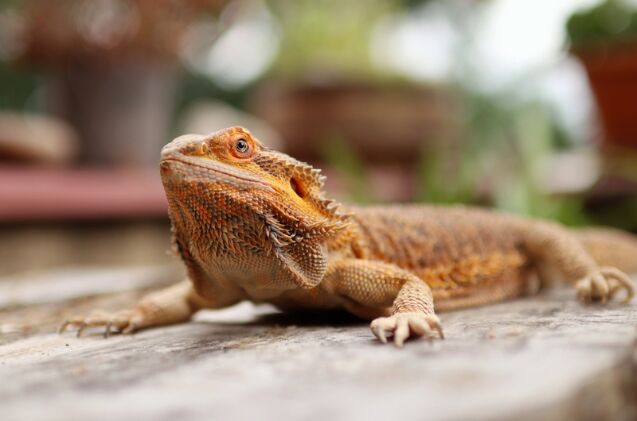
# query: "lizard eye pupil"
[[241, 146]]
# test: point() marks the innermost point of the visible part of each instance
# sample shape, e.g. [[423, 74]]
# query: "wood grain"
[[543, 357]]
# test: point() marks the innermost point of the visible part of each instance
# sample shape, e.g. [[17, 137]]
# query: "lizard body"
[[253, 224]]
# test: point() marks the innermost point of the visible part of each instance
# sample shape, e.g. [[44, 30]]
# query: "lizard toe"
[[117, 322], [618, 281], [603, 285], [383, 326], [403, 326]]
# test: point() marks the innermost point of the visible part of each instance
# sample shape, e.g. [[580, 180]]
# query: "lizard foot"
[[602, 286], [126, 321], [404, 325]]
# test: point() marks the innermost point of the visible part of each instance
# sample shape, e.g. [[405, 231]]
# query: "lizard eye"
[[241, 145], [241, 148]]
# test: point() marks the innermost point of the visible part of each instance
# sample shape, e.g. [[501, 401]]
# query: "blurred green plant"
[[532, 143], [319, 43], [499, 157], [608, 22], [51, 33], [504, 145], [499, 161], [19, 88], [7, 4]]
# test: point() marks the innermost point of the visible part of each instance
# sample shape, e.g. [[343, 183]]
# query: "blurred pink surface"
[[28, 194]]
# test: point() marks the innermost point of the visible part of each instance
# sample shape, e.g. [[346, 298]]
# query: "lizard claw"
[[602, 286], [405, 325], [123, 321]]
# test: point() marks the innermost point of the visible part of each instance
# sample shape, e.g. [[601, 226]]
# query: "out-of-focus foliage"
[[609, 21], [318, 42], [497, 159], [10, 3], [68, 31], [18, 88], [51, 32], [500, 161]]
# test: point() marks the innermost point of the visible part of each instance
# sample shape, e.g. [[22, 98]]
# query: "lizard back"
[[453, 249]]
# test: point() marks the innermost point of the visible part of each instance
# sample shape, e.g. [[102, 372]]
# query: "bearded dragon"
[[251, 223]]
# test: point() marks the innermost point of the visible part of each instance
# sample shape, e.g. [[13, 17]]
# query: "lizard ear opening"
[[298, 187], [307, 263]]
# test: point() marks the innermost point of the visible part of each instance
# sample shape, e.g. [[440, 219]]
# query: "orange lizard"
[[251, 223]]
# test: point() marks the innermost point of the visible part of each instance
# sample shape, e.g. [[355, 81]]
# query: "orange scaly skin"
[[251, 223]]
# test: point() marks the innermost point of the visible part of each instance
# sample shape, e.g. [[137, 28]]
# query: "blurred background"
[[529, 107]]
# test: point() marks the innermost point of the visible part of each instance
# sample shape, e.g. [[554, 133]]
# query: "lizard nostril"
[[196, 149], [202, 148], [164, 168]]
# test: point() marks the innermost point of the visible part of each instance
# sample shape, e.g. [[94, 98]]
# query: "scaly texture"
[[251, 223]]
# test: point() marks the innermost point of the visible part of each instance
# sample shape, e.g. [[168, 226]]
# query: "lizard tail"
[[610, 247]]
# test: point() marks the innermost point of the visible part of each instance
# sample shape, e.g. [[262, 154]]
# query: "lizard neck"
[[348, 243]]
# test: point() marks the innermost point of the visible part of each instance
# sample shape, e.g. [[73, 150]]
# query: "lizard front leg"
[[551, 244], [367, 285], [171, 305]]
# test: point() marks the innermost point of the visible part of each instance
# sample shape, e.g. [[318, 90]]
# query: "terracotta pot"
[[612, 73], [382, 123]]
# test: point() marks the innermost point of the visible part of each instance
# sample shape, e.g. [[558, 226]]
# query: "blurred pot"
[[382, 123], [612, 72], [121, 110]]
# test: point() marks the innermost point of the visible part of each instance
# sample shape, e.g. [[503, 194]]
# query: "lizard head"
[[239, 198]]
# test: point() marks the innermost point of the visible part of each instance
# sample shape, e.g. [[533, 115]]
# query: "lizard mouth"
[[210, 171]]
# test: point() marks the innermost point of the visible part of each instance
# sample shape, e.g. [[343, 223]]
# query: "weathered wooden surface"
[[545, 356]]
